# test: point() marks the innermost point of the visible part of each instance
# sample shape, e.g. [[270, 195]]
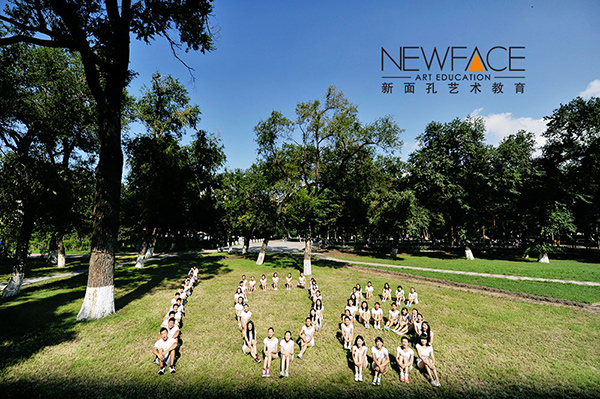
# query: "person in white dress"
[[347, 332], [369, 291], [263, 282], [392, 317], [275, 281], [359, 356], [288, 281], [319, 309], [381, 360], [287, 354], [302, 281], [386, 294], [252, 284], [307, 337], [270, 351], [426, 360], [405, 357], [413, 297], [377, 314], [364, 314]]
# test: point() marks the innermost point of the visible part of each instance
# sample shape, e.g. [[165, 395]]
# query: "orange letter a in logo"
[[475, 63]]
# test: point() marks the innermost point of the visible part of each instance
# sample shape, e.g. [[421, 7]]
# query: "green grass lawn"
[[485, 346], [558, 269]]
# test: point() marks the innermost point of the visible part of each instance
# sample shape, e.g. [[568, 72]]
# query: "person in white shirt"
[[381, 360], [392, 317], [400, 299], [359, 293], [377, 314], [249, 345], [238, 294], [244, 282], [403, 321], [164, 350], [317, 296], [170, 315], [319, 309], [369, 291], [174, 300], [270, 351], [347, 332], [405, 357], [239, 308], [359, 356], [426, 360], [252, 284], [413, 297], [364, 315], [287, 354], [288, 281], [386, 293], [307, 337], [275, 281], [302, 281], [245, 317], [352, 307], [172, 329], [263, 282]]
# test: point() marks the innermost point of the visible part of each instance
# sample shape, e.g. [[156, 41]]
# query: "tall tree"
[[100, 32], [323, 140], [449, 172]]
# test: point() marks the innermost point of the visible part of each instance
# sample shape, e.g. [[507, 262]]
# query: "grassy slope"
[[485, 346], [558, 269]]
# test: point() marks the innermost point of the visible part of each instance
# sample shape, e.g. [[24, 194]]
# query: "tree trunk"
[[230, 242], [246, 245], [53, 249], [62, 256], [150, 247], [307, 253], [99, 298], [139, 263], [543, 258], [263, 251], [469, 254], [13, 287], [394, 251]]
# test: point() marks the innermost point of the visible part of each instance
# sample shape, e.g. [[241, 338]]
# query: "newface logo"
[[454, 64]]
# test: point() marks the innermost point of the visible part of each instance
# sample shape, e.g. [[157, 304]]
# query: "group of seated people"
[[272, 346], [166, 348], [401, 322]]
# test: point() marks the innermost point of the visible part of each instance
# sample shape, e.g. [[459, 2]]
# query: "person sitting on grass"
[[377, 314], [317, 297], [307, 337], [252, 284], [313, 288], [352, 308], [301, 281], [400, 299], [172, 329], [174, 300], [182, 294], [386, 294], [238, 294], [347, 332], [239, 308], [287, 354], [403, 320], [164, 350], [245, 317], [319, 309], [275, 281], [426, 360], [170, 315], [244, 283], [312, 315], [243, 288], [359, 293], [263, 282], [288, 281], [381, 360], [411, 321], [405, 357], [270, 351], [417, 325], [364, 315], [413, 297], [369, 291], [392, 317], [426, 330], [249, 345], [359, 356]]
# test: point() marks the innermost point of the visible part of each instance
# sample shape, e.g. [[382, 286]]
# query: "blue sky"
[[271, 55]]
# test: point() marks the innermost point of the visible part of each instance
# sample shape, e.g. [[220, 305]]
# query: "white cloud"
[[592, 90], [498, 126]]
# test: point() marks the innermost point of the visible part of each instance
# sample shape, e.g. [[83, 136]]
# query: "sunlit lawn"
[[485, 345]]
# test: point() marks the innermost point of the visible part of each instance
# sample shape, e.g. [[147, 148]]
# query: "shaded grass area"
[[485, 346], [37, 267]]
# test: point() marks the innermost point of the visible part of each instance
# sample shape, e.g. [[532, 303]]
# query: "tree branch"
[[34, 40]]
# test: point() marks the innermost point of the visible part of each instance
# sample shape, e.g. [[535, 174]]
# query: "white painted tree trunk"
[[307, 260], [263, 251], [62, 260], [543, 258], [469, 254], [13, 287], [245, 246], [394, 253], [139, 263], [99, 302], [149, 253], [230, 250], [53, 256]]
